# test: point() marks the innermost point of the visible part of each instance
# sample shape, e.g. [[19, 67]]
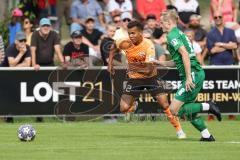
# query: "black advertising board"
[[89, 92]]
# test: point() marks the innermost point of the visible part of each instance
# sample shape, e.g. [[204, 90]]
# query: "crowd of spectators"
[[93, 25]]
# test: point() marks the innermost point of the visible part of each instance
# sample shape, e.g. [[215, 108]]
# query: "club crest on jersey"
[[142, 54], [174, 42]]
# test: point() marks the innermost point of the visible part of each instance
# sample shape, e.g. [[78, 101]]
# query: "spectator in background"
[[152, 24], [117, 21], [15, 24], [44, 42], [221, 42], [82, 9], [199, 32], [116, 7], [76, 52], [185, 9], [28, 29], [2, 53], [228, 9], [18, 54], [52, 4], [42, 8], [104, 5], [122, 33], [106, 44], [147, 7], [92, 35], [63, 10], [161, 53], [229, 12], [196, 47]]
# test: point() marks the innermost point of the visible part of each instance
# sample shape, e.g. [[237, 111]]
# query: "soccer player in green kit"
[[191, 74]]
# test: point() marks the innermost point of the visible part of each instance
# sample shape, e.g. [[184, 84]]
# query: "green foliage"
[[4, 28], [28, 13]]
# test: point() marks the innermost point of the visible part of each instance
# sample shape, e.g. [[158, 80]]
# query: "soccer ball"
[[26, 132]]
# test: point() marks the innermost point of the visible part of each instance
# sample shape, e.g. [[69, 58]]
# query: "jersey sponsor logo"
[[142, 54], [151, 58], [181, 91], [174, 42]]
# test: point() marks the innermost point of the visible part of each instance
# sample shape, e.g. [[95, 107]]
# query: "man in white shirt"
[[116, 7]]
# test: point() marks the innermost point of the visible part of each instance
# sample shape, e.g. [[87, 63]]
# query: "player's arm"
[[217, 49], [165, 63], [187, 66], [112, 51], [229, 45]]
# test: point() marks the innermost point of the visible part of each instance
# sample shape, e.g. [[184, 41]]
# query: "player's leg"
[[190, 109], [126, 103], [163, 102]]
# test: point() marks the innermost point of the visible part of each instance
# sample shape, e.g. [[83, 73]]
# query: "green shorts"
[[190, 96]]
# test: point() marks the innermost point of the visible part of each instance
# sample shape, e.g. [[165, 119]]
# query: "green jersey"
[[176, 39]]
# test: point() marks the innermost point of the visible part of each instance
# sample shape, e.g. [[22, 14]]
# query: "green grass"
[[118, 141]]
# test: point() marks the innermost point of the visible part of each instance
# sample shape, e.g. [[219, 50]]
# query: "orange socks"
[[173, 119]]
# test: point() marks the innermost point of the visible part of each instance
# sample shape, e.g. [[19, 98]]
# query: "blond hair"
[[170, 15]]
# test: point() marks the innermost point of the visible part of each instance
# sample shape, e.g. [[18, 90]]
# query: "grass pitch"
[[118, 141]]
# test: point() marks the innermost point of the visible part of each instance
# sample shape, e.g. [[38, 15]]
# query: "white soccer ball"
[[26, 132]]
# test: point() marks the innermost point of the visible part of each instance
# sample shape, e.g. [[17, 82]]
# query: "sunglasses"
[[77, 37], [147, 37], [126, 20], [22, 40], [117, 21], [218, 17]]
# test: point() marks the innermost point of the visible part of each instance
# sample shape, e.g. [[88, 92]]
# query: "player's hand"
[[64, 65], [156, 62], [22, 50], [111, 69], [219, 44], [189, 84], [36, 67]]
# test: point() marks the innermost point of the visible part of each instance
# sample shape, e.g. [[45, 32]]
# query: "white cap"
[[125, 15]]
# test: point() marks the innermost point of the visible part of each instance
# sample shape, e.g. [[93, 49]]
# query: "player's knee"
[[163, 102], [165, 105], [124, 108], [173, 111]]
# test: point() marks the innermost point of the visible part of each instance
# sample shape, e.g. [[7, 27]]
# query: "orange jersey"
[[139, 60]]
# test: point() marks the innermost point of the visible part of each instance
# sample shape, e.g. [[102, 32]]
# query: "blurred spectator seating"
[[82, 9], [116, 7], [147, 7], [185, 9]]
